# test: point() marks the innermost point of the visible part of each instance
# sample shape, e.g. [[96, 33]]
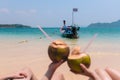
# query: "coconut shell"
[[58, 50], [74, 62]]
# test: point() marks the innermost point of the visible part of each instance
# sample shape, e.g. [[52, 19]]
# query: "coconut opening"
[[58, 43], [76, 56], [76, 50]]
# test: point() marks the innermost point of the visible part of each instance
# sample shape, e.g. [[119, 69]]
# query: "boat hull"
[[70, 32], [69, 35]]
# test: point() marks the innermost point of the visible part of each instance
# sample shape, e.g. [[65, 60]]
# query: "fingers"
[[85, 70], [102, 74], [24, 75], [115, 75], [14, 77], [88, 73], [61, 62], [58, 63], [55, 65], [84, 67]]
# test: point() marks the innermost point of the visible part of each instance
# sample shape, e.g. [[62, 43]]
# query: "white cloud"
[[26, 12], [4, 10], [21, 12]]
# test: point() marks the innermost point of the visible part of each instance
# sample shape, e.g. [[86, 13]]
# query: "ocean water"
[[107, 40]]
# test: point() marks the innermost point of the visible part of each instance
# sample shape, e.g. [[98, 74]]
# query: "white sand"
[[15, 56]]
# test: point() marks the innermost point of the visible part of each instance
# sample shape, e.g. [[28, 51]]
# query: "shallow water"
[[107, 40]]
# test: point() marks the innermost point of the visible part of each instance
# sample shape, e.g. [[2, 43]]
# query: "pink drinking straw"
[[84, 50], [47, 36], [90, 42]]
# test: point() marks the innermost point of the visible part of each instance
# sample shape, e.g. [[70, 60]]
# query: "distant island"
[[102, 25], [14, 26]]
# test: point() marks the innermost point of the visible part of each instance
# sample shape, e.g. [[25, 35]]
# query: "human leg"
[[102, 74], [115, 75], [58, 76]]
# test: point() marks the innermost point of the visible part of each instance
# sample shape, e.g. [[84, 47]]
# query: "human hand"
[[84, 70], [24, 74], [55, 65], [13, 76], [87, 72], [98, 74], [51, 69]]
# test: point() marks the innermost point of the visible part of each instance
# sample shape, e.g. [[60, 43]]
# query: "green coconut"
[[76, 58], [58, 50]]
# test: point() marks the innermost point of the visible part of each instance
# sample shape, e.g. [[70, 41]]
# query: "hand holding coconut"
[[76, 58], [58, 50], [51, 69]]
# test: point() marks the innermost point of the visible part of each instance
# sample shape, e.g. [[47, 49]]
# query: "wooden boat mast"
[[74, 10]]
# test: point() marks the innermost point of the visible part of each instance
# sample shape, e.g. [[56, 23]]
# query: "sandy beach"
[[33, 54]]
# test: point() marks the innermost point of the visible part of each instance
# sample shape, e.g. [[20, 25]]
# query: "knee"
[[58, 76], [27, 69]]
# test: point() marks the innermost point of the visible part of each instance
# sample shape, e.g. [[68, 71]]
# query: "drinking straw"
[[47, 36], [90, 42]]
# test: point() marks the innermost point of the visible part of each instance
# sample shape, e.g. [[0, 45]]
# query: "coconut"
[[76, 50], [58, 50], [76, 58]]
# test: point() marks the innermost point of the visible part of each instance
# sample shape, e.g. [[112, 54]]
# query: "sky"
[[51, 13]]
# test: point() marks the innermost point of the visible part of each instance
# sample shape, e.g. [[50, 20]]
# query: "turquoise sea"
[[107, 40]]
